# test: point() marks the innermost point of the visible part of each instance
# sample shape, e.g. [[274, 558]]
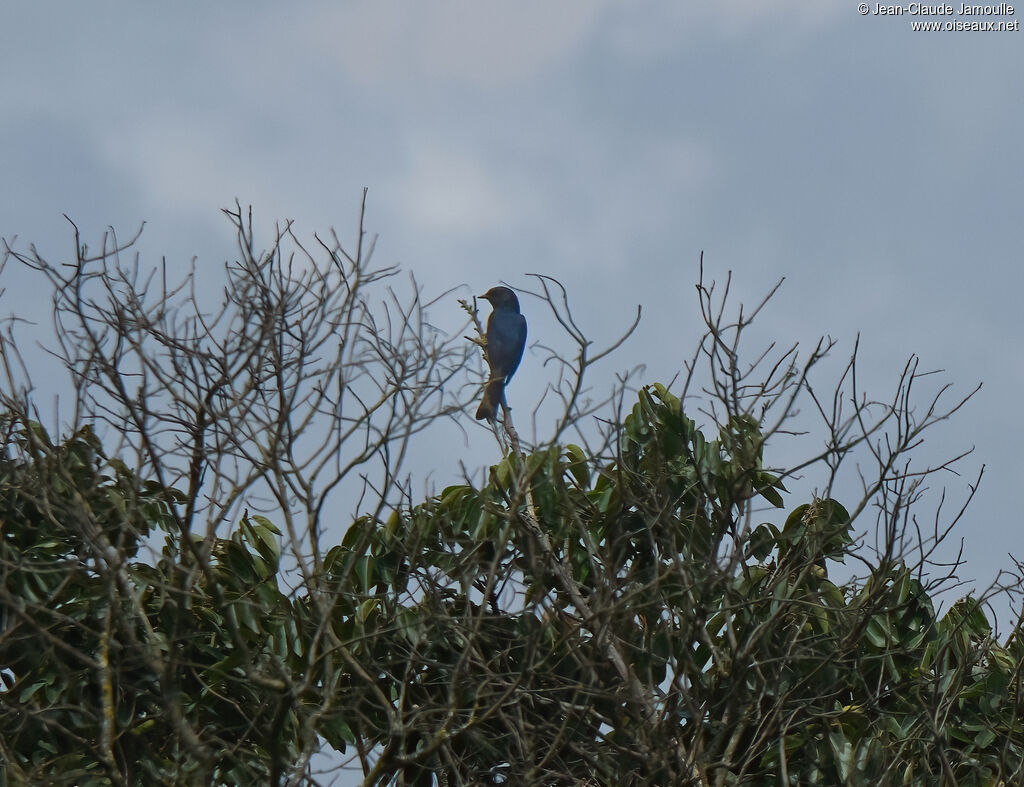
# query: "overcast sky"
[[880, 170]]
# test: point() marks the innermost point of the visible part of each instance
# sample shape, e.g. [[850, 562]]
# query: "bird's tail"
[[494, 391]]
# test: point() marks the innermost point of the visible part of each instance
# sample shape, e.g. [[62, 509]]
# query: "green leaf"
[[985, 738], [28, 691], [576, 464], [260, 533], [773, 497], [762, 541]]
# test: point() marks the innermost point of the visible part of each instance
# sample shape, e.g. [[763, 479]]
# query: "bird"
[[506, 338]]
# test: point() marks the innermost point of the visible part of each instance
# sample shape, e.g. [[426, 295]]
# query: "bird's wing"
[[506, 338]]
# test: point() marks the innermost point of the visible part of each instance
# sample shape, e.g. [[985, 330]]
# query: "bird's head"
[[502, 298]]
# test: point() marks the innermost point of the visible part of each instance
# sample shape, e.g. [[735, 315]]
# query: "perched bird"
[[506, 338]]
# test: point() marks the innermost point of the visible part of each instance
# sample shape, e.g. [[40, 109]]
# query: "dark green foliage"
[[760, 668], [450, 638], [111, 661]]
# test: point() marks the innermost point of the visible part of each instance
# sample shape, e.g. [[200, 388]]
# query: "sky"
[[877, 168]]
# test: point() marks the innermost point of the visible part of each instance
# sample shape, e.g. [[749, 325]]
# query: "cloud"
[[647, 29], [445, 189], [485, 44]]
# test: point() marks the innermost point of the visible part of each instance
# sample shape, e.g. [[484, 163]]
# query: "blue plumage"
[[506, 339]]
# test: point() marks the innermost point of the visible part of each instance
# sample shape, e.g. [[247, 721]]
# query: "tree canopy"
[[649, 605]]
